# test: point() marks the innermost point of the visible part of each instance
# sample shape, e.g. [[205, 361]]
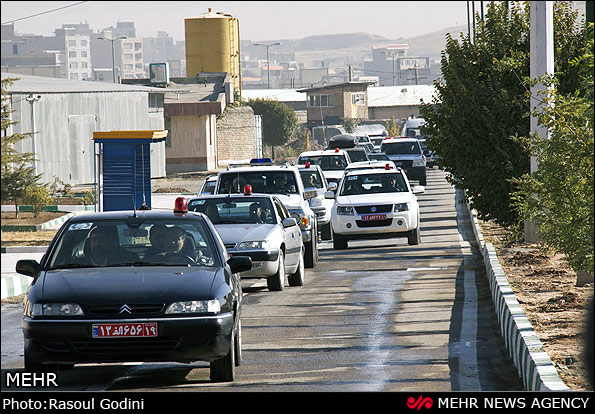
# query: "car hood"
[[235, 233], [369, 199], [290, 201], [126, 285]]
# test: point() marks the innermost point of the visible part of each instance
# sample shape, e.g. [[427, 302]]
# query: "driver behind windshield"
[[102, 248]]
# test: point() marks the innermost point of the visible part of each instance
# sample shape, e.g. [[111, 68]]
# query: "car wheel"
[[298, 278], [276, 282], [224, 369], [326, 232], [312, 250], [414, 238], [238, 344], [32, 365], [339, 242]]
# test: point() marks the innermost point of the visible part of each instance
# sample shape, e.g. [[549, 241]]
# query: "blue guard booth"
[[125, 168]]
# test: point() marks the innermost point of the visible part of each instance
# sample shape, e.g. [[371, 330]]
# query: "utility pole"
[[541, 63], [268, 63]]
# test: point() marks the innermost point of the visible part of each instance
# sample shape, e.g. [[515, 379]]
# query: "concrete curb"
[[534, 366], [14, 285]]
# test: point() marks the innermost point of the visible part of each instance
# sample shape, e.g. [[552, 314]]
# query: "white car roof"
[[371, 164], [323, 152]]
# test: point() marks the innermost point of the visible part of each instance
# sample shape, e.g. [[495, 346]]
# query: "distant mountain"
[[328, 46]]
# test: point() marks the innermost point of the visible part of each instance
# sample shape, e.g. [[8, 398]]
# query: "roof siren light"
[[181, 205], [247, 189], [307, 164], [387, 166], [336, 149]]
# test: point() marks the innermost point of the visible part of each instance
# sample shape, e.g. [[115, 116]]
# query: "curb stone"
[[534, 366]]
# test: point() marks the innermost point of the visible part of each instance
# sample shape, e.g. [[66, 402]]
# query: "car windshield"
[[134, 242], [406, 147], [209, 187], [311, 178], [357, 154], [263, 182], [330, 162], [373, 183], [230, 210]]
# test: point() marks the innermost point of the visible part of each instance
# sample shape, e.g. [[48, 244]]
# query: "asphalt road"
[[379, 316]]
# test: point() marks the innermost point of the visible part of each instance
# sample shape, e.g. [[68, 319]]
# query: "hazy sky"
[[259, 20]]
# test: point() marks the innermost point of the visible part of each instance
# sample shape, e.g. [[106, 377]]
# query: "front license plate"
[[124, 330], [374, 217]]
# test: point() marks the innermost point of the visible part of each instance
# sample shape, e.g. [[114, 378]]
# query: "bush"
[[37, 196]]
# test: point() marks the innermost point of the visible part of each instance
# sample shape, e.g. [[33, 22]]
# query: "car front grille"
[[386, 208], [125, 310], [374, 223]]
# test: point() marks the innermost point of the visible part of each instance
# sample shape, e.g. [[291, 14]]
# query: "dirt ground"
[[544, 285]]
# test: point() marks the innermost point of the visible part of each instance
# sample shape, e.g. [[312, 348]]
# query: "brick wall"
[[235, 136]]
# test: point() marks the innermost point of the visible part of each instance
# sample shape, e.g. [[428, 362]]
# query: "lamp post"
[[268, 63], [113, 56]]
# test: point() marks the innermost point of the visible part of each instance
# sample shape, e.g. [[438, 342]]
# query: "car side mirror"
[[329, 194], [289, 222], [418, 189], [332, 186], [239, 264], [28, 267]]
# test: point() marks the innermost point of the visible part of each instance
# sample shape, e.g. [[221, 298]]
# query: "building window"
[[84, 53], [72, 43], [321, 100], [358, 98], [71, 54], [73, 65], [74, 76]]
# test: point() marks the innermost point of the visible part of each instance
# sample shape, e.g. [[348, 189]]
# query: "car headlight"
[[315, 202], [263, 244], [301, 218], [401, 207], [418, 163], [348, 210], [56, 309], [194, 306]]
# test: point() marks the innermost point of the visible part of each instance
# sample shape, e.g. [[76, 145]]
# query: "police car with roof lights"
[[314, 180], [283, 181], [332, 162], [407, 154], [375, 204], [257, 226], [366, 165], [135, 286]]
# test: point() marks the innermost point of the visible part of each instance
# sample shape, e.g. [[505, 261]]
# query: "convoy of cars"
[[135, 286]]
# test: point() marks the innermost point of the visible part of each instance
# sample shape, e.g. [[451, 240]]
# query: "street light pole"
[[113, 56], [268, 62]]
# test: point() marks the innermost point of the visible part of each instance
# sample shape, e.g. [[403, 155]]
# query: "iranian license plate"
[[124, 330], [374, 217]]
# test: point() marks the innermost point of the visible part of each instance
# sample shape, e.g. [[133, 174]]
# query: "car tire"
[[339, 242], [414, 238], [311, 251], [238, 344], [32, 365], [326, 232], [224, 369], [298, 278], [276, 282]]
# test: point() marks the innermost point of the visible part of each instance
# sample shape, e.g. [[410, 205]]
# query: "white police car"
[[284, 181], [375, 204], [332, 162], [314, 180]]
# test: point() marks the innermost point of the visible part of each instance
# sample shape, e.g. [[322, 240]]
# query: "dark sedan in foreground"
[[135, 286]]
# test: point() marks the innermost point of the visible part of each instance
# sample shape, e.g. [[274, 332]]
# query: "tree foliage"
[[558, 197], [278, 120], [17, 172], [479, 122]]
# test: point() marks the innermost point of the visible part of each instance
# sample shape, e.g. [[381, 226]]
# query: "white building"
[[76, 59]]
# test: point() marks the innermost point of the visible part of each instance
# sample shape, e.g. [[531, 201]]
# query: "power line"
[[45, 12]]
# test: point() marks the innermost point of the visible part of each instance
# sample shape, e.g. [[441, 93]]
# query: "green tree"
[[350, 124], [392, 127], [16, 168], [278, 121], [558, 196], [479, 123]]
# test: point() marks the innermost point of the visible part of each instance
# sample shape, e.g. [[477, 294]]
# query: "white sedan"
[[375, 204]]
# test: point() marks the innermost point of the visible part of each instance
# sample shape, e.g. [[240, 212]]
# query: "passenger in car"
[[156, 236], [102, 248]]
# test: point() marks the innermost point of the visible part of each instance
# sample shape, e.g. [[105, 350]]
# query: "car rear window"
[[406, 147]]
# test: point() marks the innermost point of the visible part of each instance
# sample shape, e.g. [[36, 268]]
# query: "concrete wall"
[[235, 136]]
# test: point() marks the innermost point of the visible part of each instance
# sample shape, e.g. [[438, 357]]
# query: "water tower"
[[213, 45]]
